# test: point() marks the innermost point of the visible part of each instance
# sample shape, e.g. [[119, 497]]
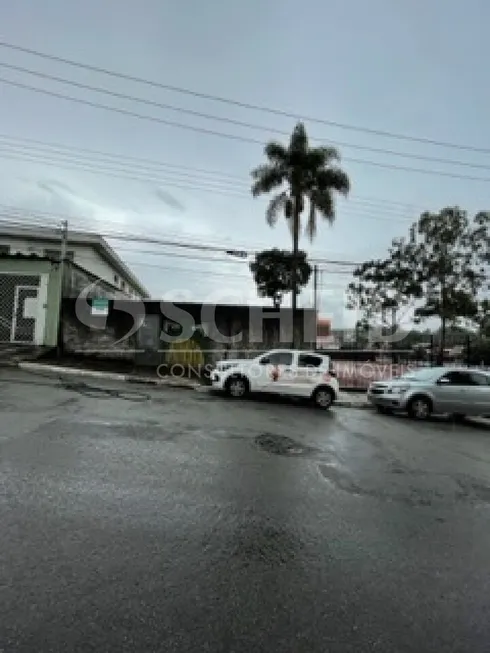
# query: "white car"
[[303, 374]]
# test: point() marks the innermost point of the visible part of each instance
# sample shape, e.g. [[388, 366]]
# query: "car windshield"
[[426, 374]]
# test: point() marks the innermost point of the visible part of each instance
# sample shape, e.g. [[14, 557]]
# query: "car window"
[[280, 358], [457, 378], [422, 375], [309, 360], [478, 379]]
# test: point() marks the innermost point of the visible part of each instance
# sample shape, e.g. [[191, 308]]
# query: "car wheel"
[[323, 397], [237, 387], [420, 408]]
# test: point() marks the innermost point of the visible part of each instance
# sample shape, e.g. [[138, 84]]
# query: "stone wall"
[[94, 336]]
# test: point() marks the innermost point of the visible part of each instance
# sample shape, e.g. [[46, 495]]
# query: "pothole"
[[281, 445]]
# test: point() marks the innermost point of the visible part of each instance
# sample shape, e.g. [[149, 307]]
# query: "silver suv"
[[457, 391]]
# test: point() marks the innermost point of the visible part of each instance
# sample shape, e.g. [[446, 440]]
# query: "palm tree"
[[306, 175]]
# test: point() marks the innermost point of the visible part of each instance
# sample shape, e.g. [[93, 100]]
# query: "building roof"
[[98, 243]]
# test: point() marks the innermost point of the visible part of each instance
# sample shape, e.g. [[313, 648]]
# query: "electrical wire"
[[89, 154], [244, 105], [200, 271], [238, 123], [174, 243], [234, 137], [367, 212]]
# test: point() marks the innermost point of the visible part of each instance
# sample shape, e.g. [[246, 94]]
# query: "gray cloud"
[[206, 53]]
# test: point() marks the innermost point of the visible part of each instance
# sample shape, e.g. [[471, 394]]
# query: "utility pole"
[[64, 242], [315, 302], [294, 302], [315, 289]]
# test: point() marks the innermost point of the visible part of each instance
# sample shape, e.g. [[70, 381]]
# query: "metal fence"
[[357, 368], [16, 324]]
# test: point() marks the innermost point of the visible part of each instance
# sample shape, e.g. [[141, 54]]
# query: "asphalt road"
[[179, 521]]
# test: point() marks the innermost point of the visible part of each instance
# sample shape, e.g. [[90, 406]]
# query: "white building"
[[87, 250]]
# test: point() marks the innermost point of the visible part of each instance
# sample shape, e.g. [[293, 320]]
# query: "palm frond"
[[333, 179], [323, 203], [267, 177], [298, 144], [278, 204], [321, 157], [305, 174], [311, 224], [276, 153]]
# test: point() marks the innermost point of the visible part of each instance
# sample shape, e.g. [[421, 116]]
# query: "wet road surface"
[[179, 521]]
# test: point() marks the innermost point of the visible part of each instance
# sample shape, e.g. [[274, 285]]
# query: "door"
[[451, 392], [478, 394], [148, 341], [276, 372], [24, 315], [310, 370]]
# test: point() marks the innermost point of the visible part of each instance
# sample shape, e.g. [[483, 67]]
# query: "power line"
[[200, 272], [238, 123], [381, 213], [244, 105], [234, 137], [188, 182], [207, 259], [120, 174], [165, 164], [171, 243]]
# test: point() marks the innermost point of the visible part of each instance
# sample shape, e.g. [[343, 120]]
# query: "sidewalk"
[[346, 399]]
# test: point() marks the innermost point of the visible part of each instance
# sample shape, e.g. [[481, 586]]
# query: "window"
[[479, 379], [278, 358], [55, 254], [309, 360], [424, 375], [123, 285], [456, 378], [116, 279], [4, 249]]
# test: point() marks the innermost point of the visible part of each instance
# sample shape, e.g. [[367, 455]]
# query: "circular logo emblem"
[[275, 373]]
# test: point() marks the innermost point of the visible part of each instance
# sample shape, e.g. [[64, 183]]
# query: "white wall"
[[83, 255]]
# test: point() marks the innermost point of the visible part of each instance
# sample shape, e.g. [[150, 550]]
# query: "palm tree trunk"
[[296, 216]]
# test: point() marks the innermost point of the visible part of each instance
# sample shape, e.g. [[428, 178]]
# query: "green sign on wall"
[[100, 307]]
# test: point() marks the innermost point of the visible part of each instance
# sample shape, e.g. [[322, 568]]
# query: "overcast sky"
[[417, 68]]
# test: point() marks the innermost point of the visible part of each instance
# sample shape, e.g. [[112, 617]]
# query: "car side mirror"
[[264, 361]]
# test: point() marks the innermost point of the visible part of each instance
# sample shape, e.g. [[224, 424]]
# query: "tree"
[[272, 270], [438, 269], [384, 288], [302, 175]]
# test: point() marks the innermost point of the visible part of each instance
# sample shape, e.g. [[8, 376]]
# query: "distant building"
[[324, 337], [87, 250], [30, 280]]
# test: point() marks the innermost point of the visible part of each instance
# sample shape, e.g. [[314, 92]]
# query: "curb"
[[352, 404], [111, 376], [130, 378]]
